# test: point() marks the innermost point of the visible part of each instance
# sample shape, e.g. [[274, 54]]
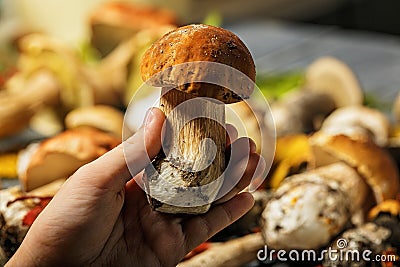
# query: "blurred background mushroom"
[[381, 236]]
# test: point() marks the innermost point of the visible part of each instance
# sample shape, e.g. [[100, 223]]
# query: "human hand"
[[101, 216]]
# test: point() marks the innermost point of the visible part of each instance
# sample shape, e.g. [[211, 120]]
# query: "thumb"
[[119, 165]]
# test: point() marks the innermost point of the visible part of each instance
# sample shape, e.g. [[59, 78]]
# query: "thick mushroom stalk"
[[187, 174], [308, 209], [193, 153]]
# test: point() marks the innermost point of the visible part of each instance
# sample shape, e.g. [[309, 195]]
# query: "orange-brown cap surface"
[[203, 43]]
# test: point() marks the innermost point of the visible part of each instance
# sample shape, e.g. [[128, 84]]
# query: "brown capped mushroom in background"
[[112, 23], [358, 122], [373, 163], [329, 84], [184, 150], [348, 172], [105, 118], [60, 156]]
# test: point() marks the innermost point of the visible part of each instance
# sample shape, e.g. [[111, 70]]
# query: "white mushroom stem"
[[309, 209], [301, 111], [348, 180], [193, 154], [233, 253], [16, 108]]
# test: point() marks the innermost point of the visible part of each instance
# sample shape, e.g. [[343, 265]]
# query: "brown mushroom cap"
[[200, 42], [372, 162], [102, 117], [62, 155], [390, 206], [358, 120], [111, 23]]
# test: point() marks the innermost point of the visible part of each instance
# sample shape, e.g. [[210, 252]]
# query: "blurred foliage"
[[8, 57], [273, 86], [88, 53], [374, 101], [214, 18]]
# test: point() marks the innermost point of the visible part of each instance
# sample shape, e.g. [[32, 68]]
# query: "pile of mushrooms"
[[332, 166], [310, 208], [52, 78], [348, 171]]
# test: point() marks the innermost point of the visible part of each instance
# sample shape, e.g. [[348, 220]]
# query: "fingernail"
[[258, 177], [253, 146], [148, 117]]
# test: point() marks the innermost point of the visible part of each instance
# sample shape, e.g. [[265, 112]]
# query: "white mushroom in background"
[[309, 209], [329, 84]]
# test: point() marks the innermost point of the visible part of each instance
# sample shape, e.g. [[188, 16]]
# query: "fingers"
[[238, 149], [248, 168], [200, 228], [231, 134], [244, 165], [237, 158], [118, 166]]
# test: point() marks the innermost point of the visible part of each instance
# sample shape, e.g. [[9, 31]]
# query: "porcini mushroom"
[[329, 84], [381, 236], [372, 162], [112, 23], [102, 117], [334, 77], [299, 111], [61, 155], [16, 109], [184, 162], [358, 121], [310, 208]]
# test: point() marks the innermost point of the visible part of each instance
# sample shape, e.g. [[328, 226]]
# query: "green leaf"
[[274, 86], [374, 101], [213, 18]]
